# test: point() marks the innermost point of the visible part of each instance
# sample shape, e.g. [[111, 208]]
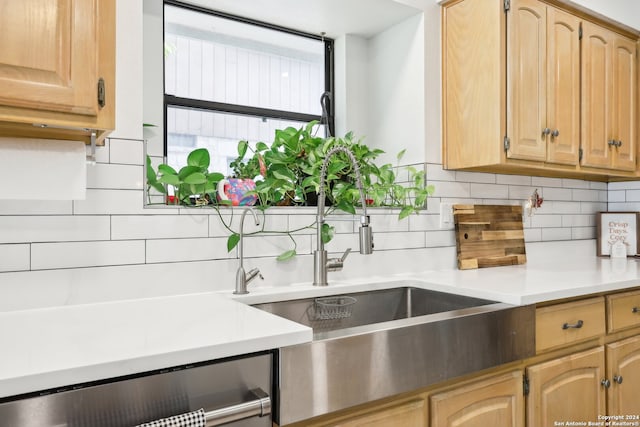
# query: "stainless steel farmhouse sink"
[[374, 344]]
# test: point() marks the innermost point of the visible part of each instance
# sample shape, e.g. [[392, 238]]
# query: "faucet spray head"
[[366, 236]]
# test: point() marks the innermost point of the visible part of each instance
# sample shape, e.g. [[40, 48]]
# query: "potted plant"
[[288, 173]]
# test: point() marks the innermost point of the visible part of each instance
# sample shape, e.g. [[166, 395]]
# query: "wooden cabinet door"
[[597, 84], [497, 401], [48, 60], [408, 414], [567, 388], [624, 103], [526, 80], [563, 87], [623, 370]]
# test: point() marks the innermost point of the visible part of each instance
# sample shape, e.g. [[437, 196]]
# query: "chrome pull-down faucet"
[[320, 262], [242, 278]]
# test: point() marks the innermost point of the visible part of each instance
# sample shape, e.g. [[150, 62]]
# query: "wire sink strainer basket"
[[335, 307]]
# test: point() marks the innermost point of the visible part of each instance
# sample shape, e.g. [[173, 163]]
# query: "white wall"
[[624, 11]]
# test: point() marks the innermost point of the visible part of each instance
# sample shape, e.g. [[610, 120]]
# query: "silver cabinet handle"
[[618, 144], [259, 406], [546, 131], [617, 379], [577, 325], [635, 310], [612, 142], [605, 383], [555, 133]]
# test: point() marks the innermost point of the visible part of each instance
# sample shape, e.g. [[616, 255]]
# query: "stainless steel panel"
[[137, 400], [348, 367]]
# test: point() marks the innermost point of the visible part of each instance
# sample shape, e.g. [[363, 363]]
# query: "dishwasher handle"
[[259, 406]]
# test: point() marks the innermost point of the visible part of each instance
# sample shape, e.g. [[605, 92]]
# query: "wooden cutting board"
[[489, 235]]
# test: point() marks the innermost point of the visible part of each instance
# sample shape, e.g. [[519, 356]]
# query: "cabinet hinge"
[[101, 93], [525, 385], [506, 143], [580, 154], [580, 32], [507, 5]]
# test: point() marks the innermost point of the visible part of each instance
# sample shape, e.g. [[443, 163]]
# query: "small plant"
[[288, 173], [193, 184]]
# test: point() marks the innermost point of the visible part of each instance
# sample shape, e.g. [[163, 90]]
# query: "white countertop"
[[56, 347]]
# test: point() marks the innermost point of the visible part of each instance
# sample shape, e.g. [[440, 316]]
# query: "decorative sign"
[[616, 228]]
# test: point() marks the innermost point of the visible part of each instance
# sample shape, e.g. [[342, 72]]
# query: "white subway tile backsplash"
[[436, 173], [624, 206], [616, 196], [116, 176], [86, 254], [14, 257], [451, 189], [114, 202], [552, 193], [532, 235], [575, 183], [126, 227], [520, 192], [578, 220], [28, 229], [440, 238], [550, 234], [36, 207], [513, 180], [478, 177], [178, 250], [586, 195], [592, 207], [489, 191], [274, 245], [538, 181], [558, 207], [387, 223], [386, 241], [425, 222], [624, 185], [540, 221], [111, 227], [632, 196], [583, 233], [126, 151]]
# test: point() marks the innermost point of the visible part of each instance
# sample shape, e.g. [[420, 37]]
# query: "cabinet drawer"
[[568, 323], [623, 311]]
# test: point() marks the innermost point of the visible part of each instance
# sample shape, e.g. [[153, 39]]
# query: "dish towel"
[[190, 419]]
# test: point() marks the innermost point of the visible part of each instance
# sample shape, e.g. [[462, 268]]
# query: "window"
[[229, 79]]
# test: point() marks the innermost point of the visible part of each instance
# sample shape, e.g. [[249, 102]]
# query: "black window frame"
[[220, 107]]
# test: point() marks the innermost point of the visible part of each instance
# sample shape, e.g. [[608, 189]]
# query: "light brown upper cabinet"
[[57, 67], [543, 77], [609, 101], [522, 89]]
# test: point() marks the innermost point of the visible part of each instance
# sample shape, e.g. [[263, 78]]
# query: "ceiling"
[[333, 17]]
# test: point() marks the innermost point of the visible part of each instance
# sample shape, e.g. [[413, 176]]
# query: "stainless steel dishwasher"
[[233, 392]]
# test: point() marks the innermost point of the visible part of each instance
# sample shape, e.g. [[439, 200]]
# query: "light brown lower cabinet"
[[496, 401], [567, 389], [408, 414], [623, 371]]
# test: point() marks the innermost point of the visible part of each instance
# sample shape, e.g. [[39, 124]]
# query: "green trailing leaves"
[[287, 255], [232, 241], [326, 233], [288, 173], [199, 158]]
